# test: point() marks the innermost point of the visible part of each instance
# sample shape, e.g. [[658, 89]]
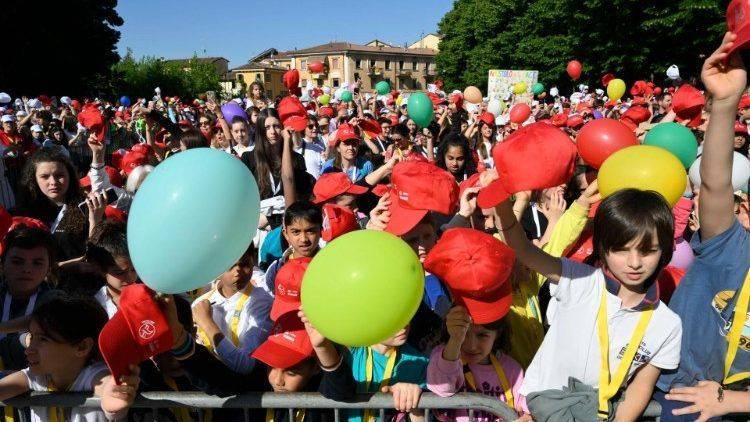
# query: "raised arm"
[[725, 79]]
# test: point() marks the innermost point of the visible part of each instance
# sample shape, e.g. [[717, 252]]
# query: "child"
[[303, 224], [476, 267], [455, 157], [390, 366], [108, 251], [63, 355], [612, 312], [232, 318], [27, 261]]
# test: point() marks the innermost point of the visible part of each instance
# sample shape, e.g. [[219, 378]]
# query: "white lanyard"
[[59, 218], [276, 188], [6, 308], [535, 214]]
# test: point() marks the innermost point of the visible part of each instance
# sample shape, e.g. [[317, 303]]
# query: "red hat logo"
[[147, 329]]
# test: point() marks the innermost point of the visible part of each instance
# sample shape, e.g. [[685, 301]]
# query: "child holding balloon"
[[607, 318]]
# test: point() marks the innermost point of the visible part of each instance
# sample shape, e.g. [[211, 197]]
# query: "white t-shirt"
[[240, 149], [252, 329], [83, 383], [571, 346], [312, 151], [107, 303]]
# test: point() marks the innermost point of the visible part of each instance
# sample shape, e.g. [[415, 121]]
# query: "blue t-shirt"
[[705, 301], [411, 367], [362, 167]]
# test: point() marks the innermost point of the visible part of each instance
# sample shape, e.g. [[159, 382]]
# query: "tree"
[[634, 39], [57, 47], [138, 78]]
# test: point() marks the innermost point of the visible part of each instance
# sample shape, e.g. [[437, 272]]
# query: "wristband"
[[97, 167]]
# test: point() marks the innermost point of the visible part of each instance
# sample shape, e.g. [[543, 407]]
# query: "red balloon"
[[599, 139], [657, 91], [574, 69], [316, 66], [520, 113]]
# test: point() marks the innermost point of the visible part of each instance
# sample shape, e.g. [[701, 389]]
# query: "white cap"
[[66, 100], [20, 114], [36, 128], [554, 91], [7, 118], [432, 88], [4, 98], [35, 103], [599, 92], [673, 72]]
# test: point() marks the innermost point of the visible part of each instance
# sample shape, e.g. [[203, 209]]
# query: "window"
[[415, 65], [335, 63], [401, 65], [358, 64], [335, 83], [304, 82], [303, 64], [387, 65], [372, 63], [240, 78]]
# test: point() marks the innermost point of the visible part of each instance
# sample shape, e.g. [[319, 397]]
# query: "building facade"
[[269, 75]]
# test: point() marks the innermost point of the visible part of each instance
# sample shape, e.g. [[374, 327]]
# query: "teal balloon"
[[537, 88], [420, 109], [676, 139], [382, 87], [346, 96], [192, 219]]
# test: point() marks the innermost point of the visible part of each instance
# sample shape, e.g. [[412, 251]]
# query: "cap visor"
[[277, 356], [402, 219], [742, 42], [492, 308], [117, 346], [280, 307], [492, 194], [356, 190], [297, 123]]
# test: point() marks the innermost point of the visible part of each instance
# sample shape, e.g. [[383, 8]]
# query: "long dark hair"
[[456, 140], [265, 160], [632, 214], [479, 141], [193, 138], [31, 200]]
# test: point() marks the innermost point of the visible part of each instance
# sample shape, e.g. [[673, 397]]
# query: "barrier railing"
[[473, 403]]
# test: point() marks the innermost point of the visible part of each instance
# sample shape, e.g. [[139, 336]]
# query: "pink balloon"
[[683, 256]]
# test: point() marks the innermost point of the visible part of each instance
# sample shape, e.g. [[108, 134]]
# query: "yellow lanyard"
[[180, 413], [234, 322], [738, 323], [299, 415], [55, 414], [469, 377], [390, 365], [8, 412], [608, 388]]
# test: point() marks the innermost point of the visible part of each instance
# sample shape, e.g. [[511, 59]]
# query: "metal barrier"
[[291, 401]]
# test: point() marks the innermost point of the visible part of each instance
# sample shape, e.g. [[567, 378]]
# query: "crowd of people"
[[538, 292]]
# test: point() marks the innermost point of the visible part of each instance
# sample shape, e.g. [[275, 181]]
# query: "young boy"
[[108, 251], [232, 318]]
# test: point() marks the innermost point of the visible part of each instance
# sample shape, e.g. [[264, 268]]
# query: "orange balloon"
[[472, 94], [520, 113]]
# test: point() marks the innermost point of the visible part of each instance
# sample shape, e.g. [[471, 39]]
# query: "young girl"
[[455, 157], [63, 355], [50, 193], [485, 139], [475, 356], [610, 331]]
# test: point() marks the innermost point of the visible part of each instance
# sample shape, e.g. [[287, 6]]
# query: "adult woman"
[[48, 192], [346, 158], [280, 172]]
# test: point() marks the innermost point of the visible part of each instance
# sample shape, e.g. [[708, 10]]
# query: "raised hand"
[[724, 75]]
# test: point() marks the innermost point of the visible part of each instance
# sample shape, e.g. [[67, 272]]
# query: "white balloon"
[[326, 89], [673, 72], [494, 107], [740, 172], [554, 91], [4, 98]]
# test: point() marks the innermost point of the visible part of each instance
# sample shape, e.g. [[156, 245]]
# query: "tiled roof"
[[257, 66], [346, 46]]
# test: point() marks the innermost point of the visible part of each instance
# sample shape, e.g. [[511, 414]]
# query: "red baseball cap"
[[744, 102], [560, 119], [137, 332], [331, 185], [536, 156], [344, 133], [475, 266], [488, 118], [634, 116], [370, 127], [574, 121], [471, 182], [144, 149], [738, 21], [91, 118], [288, 287], [297, 123], [115, 214], [606, 79], [419, 187], [326, 112], [287, 345], [290, 106], [132, 160], [337, 221], [740, 128], [687, 103], [291, 79]]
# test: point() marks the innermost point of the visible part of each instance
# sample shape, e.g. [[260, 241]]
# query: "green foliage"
[[138, 78], [634, 39]]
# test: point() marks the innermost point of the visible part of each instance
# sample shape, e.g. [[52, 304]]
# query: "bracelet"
[[97, 167], [720, 392], [509, 227]]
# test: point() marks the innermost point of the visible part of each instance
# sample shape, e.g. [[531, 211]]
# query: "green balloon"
[[537, 88], [346, 96], [383, 87], [362, 288], [676, 139], [420, 109], [324, 99]]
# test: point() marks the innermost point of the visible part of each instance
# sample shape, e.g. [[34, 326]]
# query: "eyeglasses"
[[312, 126]]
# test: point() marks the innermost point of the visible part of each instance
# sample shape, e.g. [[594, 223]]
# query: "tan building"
[[268, 74], [430, 41]]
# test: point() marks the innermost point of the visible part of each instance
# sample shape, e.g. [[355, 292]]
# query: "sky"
[[238, 30]]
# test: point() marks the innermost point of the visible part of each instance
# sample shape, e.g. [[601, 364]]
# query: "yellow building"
[[430, 41], [268, 74]]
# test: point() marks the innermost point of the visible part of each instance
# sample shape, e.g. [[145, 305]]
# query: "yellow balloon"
[[643, 167], [519, 88], [616, 89]]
